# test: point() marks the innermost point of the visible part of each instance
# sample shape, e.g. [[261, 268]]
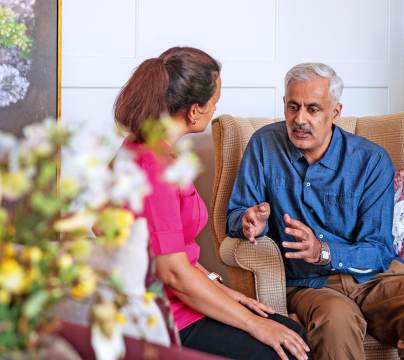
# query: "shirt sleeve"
[[162, 211], [372, 242], [248, 189]]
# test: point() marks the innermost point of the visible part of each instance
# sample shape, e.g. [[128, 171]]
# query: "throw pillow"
[[398, 219]]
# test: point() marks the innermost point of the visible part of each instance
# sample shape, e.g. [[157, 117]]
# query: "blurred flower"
[[80, 248], [31, 254], [152, 320], [65, 261], [148, 297], [87, 282], [81, 220], [114, 226], [184, 170], [7, 144], [11, 276], [130, 182], [15, 185], [5, 296], [120, 318], [69, 188]]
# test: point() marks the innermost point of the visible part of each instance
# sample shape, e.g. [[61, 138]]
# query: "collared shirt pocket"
[[340, 212]]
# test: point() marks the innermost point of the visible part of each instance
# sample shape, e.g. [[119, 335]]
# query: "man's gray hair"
[[308, 71]]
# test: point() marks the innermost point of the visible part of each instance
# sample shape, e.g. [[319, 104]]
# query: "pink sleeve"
[[162, 211]]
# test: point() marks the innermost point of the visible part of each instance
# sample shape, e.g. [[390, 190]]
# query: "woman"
[[185, 83]]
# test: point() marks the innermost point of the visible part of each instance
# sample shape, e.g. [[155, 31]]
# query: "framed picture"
[[30, 62]]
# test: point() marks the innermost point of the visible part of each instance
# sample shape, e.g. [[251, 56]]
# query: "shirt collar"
[[331, 155], [333, 152]]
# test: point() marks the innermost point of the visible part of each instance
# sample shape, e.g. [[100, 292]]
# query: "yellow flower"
[[12, 277], [80, 248], [152, 320], [148, 297], [68, 188], [65, 261], [4, 296], [120, 318], [124, 218], [116, 222], [15, 185], [8, 250], [32, 254], [87, 282]]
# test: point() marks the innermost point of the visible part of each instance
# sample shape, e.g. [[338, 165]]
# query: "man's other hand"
[[254, 221], [307, 246]]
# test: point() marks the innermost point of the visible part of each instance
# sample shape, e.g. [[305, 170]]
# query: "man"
[[326, 197]]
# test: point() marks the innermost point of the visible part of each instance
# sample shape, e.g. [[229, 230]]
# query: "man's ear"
[[284, 100], [337, 112]]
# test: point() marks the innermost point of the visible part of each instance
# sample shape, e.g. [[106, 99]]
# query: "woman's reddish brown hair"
[[178, 78]]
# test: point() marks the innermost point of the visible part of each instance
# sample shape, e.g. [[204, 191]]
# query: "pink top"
[[175, 217]]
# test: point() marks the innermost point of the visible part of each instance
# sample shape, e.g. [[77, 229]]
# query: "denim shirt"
[[346, 198]]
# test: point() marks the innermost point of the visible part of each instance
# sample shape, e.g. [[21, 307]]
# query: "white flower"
[[130, 182], [13, 86], [184, 170], [398, 225], [7, 144], [81, 220], [37, 137]]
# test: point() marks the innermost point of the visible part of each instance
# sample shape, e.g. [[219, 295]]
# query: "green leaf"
[[157, 288], [47, 174], [116, 281], [35, 304]]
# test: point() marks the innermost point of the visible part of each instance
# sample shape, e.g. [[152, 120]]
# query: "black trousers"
[[213, 337]]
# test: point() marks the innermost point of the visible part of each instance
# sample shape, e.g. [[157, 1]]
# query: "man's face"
[[309, 112]]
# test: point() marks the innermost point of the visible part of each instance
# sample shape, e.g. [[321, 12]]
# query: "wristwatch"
[[325, 254], [215, 276]]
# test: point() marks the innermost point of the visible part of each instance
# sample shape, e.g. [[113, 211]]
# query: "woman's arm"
[[252, 304], [193, 287]]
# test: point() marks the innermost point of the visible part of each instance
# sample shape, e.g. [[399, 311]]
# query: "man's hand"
[[308, 246], [254, 221]]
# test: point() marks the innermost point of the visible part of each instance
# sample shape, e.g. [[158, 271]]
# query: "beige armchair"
[[258, 271]]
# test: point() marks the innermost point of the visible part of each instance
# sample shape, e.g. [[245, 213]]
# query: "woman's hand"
[[252, 304], [278, 337]]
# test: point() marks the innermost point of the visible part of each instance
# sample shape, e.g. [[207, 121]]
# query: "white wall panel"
[[247, 102], [89, 112], [98, 28], [334, 31], [365, 101], [227, 28]]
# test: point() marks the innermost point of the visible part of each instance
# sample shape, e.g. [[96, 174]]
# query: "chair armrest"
[[264, 260]]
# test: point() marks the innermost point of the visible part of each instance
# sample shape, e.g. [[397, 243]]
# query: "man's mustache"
[[302, 128]]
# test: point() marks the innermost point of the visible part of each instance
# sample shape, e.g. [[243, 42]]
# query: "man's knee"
[[338, 316]]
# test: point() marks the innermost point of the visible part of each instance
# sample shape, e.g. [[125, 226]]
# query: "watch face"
[[325, 255]]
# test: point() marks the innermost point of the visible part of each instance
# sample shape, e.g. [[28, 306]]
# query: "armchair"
[[257, 270]]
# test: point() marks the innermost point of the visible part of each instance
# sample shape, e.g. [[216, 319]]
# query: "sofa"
[[257, 270]]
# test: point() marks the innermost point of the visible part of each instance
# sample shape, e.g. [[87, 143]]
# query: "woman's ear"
[[193, 114]]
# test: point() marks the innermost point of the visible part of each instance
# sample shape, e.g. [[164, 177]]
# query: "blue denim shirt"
[[346, 198]]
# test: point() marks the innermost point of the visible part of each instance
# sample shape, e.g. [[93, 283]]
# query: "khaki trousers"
[[338, 316]]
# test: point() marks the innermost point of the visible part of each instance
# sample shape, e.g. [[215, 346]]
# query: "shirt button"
[[308, 184], [321, 236], [340, 264]]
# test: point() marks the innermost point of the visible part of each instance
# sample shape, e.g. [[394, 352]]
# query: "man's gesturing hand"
[[307, 245], [254, 221]]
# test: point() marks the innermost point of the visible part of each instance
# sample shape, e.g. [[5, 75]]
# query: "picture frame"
[[30, 68]]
